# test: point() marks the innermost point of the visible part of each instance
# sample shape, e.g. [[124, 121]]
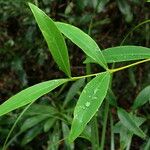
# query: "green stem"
[[85, 76], [128, 66], [14, 125], [112, 134], [147, 31], [129, 145], [104, 124], [88, 71], [11, 140], [111, 70], [61, 90], [144, 22]]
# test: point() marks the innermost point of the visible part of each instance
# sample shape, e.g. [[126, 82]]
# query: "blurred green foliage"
[[25, 60]]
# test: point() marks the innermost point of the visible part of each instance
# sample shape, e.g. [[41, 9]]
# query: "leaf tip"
[[30, 4]]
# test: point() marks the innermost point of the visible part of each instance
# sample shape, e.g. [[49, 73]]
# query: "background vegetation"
[[25, 60]]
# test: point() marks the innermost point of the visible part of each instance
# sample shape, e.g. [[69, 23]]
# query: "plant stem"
[[128, 66], [14, 125], [137, 26], [104, 124], [112, 134], [61, 90], [147, 31], [111, 70], [128, 146], [85, 76], [88, 71]]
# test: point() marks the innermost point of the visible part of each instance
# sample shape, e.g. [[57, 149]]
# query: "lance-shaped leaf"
[[125, 9], [40, 109], [29, 95], [54, 39], [89, 101], [123, 53], [147, 143], [32, 121], [142, 98], [31, 134], [65, 130], [49, 124], [129, 123], [84, 41], [126, 134]]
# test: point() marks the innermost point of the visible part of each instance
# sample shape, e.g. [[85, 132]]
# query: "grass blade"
[[142, 98]]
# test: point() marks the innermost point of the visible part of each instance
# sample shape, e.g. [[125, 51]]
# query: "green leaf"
[[65, 129], [53, 38], [129, 123], [142, 98], [125, 9], [89, 101], [126, 134], [48, 124], [101, 6], [73, 91], [31, 134], [54, 138], [32, 121], [86, 133], [132, 77], [84, 41], [147, 144], [29, 95], [126, 53], [41, 109], [123, 53]]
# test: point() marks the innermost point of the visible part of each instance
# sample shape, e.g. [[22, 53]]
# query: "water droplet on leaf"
[[87, 104], [94, 97]]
